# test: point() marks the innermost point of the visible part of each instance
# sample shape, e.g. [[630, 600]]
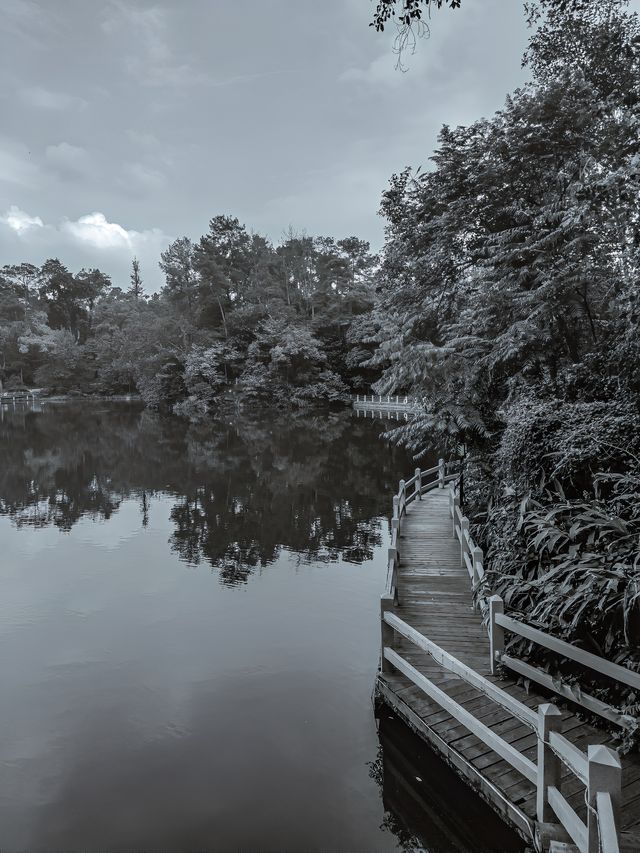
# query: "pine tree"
[[136, 281]]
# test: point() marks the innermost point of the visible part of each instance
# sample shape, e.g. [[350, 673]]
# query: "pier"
[[558, 781]]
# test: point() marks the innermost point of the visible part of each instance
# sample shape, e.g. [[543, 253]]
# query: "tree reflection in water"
[[245, 487]]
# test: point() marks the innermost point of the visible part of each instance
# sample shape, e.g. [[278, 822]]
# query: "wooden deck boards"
[[435, 599]]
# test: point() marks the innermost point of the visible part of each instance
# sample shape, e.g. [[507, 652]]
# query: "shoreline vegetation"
[[506, 300]]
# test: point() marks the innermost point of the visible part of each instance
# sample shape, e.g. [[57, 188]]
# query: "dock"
[[384, 403], [13, 397], [558, 781]]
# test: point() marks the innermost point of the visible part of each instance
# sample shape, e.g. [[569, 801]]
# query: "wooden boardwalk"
[[434, 598]]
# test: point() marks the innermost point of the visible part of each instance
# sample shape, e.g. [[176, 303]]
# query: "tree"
[[136, 281], [409, 16]]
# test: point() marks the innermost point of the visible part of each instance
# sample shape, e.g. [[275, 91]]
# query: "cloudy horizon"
[[130, 124]]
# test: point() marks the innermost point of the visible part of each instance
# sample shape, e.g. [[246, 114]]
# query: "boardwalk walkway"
[[434, 599]]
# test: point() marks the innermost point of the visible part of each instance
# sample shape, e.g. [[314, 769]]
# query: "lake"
[[189, 630]]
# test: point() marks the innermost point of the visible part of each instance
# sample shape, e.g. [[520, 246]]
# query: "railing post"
[[464, 528], [604, 775], [456, 505], [476, 560], [549, 767], [386, 632], [402, 496], [496, 632], [441, 473], [418, 487]]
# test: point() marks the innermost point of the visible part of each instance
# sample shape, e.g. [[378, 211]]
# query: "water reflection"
[[243, 488], [146, 708]]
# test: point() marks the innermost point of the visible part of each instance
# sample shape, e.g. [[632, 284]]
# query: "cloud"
[[95, 230], [89, 241], [20, 221], [16, 166], [46, 99], [68, 160], [143, 139], [151, 59], [26, 20], [139, 179]]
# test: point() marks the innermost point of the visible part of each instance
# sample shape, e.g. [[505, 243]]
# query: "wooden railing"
[[12, 396], [599, 769], [409, 491], [385, 400], [499, 623]]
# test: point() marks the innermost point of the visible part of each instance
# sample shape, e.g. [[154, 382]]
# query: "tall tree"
[[136, 281]]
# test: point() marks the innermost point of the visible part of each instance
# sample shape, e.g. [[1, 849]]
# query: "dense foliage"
[[274, 323], [511, 281]]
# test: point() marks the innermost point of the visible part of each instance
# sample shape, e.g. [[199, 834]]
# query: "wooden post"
[[464, 528], [396, 399], [418, 488], [549, 766], [441, 473], [456, 505], [386, 632], [496, 632], [402, 496], [476, 559], [396, 502], [604, 774]]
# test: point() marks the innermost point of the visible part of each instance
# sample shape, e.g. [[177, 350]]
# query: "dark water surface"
[[189, 637]]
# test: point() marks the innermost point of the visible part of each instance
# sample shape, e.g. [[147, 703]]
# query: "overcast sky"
[[127, 124]]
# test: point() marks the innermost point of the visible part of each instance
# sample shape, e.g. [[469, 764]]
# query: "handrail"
[[500, 746], [607, 824], [568, 650], [448, 661]]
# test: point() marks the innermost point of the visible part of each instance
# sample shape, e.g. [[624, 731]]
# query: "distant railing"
[[384, 401], [599, 769], [13, 396]]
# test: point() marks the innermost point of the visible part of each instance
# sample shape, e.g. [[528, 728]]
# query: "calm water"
[[189, 633]]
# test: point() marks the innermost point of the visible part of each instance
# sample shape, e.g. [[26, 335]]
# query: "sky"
[[127, 124]]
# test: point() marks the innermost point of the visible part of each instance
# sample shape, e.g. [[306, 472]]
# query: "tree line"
[[236, 312]]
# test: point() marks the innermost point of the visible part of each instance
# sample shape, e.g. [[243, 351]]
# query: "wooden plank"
[[574, 758], [584, 699], [501, 747], [606, 667], [568, 818]]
